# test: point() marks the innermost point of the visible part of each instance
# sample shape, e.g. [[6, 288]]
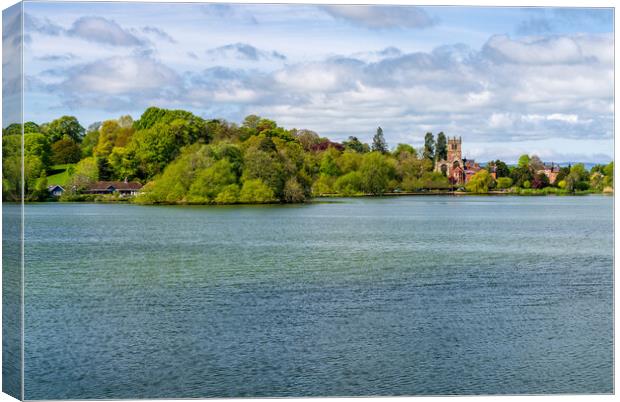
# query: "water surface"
[[373, 296]]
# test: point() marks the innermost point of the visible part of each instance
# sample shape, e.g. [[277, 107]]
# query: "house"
[[551, 171], [110, 187], [56, 190], [471, 168]]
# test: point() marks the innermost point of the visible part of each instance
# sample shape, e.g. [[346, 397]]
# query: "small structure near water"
[[110, 187], [56, 190]]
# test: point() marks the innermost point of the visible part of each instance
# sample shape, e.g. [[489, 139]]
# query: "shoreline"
[[328, 196]]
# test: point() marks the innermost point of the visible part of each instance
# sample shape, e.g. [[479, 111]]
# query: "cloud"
[[57, 57], [159, 33], [551, 49], [42, 26], [382, 17], [229, 12], [526, 89], [102, 30], [116, 82], [243, 51]]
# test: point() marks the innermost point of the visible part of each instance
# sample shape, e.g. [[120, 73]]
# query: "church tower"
[[452, 167], [454, 152]]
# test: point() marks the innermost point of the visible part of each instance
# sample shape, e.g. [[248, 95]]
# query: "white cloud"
[[381, 17], [102, 30]]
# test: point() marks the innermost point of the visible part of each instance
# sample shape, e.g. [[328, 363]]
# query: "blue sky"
[[507, 80]]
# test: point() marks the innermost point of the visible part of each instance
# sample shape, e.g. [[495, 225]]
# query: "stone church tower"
[[454, 151], [452, 166]]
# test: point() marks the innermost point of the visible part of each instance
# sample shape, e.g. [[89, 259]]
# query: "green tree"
[[378, 142], [228, 195], [504, 182], [107, 137], [293, 191], [377, 171], [211, 181], [608, 171], [354, 144], [36, 144], [266, 167], [154, 147], [520, 175], [328, 163], [441, 150], [429, 147], [524, 162], [89, 142], [349, 161], [404, 150], [480, 182], [86, 173], [254, 191], [351, 183], [66, 150], [501, 169], [577, 179], [66, 126]]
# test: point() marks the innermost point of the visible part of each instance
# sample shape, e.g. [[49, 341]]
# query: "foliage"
[[404, 150], [540, 180], [66, 150], [354, 144], [183, 158], [211, 181], [328, 163], [377, 171], [480, 182], [66, 126], [504, 182], [86, 173], [293, 191], [351, 183], [524, 161], [501, 169], [256, 192], [429, 147], [378, 142], [441, 149]]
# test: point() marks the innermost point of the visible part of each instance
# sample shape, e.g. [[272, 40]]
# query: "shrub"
[[504, 183], [256, 191], [349, 184], [228, 195]]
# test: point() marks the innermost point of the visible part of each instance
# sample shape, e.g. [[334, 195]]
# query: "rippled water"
[[373, 296]]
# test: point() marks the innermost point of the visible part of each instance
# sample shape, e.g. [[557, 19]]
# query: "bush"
[[256, 191], [323, 185], [228, 195], [349, 184], [293, 192], [504, 183]]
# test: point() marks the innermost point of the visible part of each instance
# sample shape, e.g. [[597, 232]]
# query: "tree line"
[[183, 158]]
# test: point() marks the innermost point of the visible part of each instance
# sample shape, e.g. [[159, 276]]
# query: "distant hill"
[[587, 165]]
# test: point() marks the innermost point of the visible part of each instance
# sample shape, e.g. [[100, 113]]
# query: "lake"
[[428, 295]]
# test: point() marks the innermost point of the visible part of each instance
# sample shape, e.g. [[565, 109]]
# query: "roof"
[[54, 187], [118, 185]]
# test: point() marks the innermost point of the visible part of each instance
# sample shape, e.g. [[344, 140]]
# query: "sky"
[[507, 80]]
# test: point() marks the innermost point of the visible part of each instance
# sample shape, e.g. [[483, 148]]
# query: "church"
[[458, 170]]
